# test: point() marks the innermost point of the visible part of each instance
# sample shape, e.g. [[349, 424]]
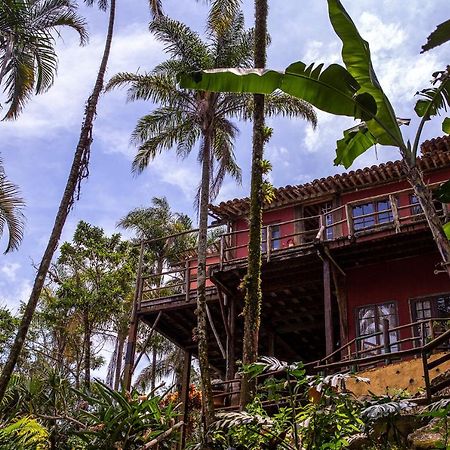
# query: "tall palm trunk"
[[202, 335], [78, 171], [253, 295]]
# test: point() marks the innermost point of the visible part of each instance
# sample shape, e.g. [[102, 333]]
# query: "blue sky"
[[38, 147]]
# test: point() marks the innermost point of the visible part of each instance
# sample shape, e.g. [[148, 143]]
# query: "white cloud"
[[10, 270]]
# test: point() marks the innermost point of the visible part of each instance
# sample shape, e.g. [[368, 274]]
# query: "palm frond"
[[102, 4], [221, 15], [11, 215], [157, 88], [181, 42], [159, 142], [156, 8]]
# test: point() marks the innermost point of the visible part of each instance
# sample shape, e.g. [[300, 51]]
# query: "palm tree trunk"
[[78, 171], [424, 195], [202, 336], [253, 295]]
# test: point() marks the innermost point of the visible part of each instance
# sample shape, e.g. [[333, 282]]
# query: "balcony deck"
[[293, 314]]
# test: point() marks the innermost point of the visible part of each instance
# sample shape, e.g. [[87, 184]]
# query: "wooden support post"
[[147, 341], [395, 215], [340, 288], [222, 250], [132, 331], [426, 375], [231, 340], [328, 313], [349, 216], [386, 339], [187, 279], [185, 396], [268, 242], [215, 333]]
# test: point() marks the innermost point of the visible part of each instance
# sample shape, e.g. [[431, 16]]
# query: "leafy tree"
[[78, 171], [352, 91], [8, 325], [186, 118], [97, 276], [28, 61]]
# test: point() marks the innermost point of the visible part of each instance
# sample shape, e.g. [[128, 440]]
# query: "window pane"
[[275, 232], [385, 215], [415, 207], [362, 210]]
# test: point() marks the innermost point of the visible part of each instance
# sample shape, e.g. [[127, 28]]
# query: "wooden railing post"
[[395, 215], [187, 279], [349, 217], [268, 243], [423, 332], [386, 339], [222, 253]]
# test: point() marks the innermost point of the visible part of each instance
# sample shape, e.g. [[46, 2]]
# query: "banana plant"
[[354, 91]]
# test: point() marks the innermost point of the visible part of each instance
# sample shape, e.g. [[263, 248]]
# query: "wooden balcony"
[[294, 279]]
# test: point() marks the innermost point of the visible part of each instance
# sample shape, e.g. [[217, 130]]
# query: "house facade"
[[349, 270]]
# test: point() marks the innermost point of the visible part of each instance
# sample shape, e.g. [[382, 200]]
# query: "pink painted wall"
[[397, 281], [270, 217]]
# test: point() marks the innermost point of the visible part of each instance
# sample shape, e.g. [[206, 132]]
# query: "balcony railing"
[[341, 223]]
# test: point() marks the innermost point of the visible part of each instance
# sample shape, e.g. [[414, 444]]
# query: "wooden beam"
[[341, 297], [231, 340], [328, 314], [216, 334]]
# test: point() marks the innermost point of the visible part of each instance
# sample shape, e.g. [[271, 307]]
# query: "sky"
[[37, 148]]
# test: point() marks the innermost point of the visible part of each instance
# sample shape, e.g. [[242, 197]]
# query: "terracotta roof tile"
[[435, 154]]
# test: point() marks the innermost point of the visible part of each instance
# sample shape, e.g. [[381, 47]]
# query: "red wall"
[[277, 216], [397, 281]]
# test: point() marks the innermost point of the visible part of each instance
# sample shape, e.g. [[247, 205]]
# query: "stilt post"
[[132, 332], [185, 396]]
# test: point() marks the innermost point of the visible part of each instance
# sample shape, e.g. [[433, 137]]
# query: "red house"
[[349, 269]]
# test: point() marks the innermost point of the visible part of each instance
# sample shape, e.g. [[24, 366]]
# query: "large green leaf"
[[332, 90], [438, 37], [443, 192], [446, 125], [433, 100], [354, 143], [447, 229], [356, 57]]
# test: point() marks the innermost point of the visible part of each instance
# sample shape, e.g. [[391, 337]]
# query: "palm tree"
[[11, 205], [253, 293], [28, 60], [187, 118]]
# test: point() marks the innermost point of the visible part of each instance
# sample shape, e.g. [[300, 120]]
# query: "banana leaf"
[[356, 57], [438, 37]]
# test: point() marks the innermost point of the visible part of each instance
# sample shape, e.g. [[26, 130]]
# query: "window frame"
[[378, 329], [377, 216]]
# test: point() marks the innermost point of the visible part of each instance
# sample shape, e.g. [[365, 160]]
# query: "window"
[[416, 209], [371, 322], [328, 220], [435, 307], [275, 240], [367, 215]]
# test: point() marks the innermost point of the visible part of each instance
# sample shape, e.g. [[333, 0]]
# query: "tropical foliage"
[[28, 60]]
